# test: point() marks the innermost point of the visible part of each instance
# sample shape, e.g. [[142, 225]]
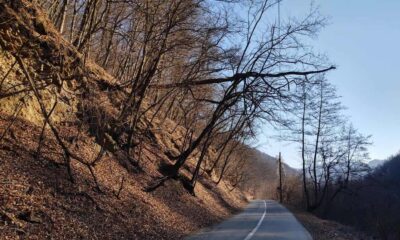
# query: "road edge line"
[[250, 235]]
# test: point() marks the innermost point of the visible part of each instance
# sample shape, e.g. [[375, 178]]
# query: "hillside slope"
[[107, 199]]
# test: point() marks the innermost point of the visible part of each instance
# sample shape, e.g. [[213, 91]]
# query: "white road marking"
[[258, 224]]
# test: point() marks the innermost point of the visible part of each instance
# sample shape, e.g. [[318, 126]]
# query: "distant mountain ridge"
[[376, 163], [272, 163]]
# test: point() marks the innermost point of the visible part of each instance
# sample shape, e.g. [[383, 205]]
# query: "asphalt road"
[[262, 219]]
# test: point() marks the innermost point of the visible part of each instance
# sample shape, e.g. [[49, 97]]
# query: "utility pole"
[[280, 157], [280, 188]]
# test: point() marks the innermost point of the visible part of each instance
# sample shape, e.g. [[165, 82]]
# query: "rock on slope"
[[37, 201]]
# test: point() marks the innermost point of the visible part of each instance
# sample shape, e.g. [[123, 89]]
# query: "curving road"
[[262, 219]]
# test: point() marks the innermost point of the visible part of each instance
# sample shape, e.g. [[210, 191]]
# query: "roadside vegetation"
[[123, 118]]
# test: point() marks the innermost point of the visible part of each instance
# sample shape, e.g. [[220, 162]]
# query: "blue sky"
[[363, 41]]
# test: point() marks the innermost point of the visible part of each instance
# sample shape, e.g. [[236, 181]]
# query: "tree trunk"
[[63, 15], [303, 148]]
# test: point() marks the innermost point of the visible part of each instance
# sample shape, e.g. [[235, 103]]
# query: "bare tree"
[[323, 144]]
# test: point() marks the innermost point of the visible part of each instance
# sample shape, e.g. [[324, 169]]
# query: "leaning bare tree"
[[261, 71]]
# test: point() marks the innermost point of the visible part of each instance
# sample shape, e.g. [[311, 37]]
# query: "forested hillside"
[[109, 129], [372, 203], [136, 119]]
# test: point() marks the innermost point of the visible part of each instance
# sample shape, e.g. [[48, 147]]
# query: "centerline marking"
[[250, 235]]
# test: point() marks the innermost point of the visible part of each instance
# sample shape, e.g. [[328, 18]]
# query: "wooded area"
[[177, 60], [218, 76], [371, 203]]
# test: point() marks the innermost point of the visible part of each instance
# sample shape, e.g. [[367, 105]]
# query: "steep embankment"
[[37, 199]]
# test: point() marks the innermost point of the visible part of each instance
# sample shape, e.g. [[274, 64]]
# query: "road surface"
[[262, 219]]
